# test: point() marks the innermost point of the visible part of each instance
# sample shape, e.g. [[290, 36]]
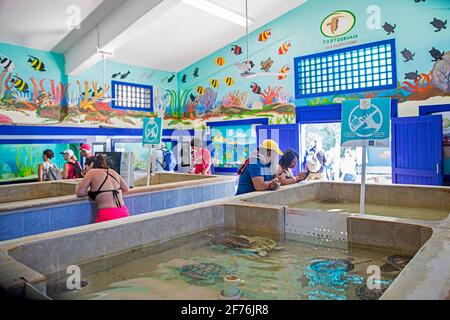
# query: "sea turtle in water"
[[231, 242], [364, 293], [254, 245], [439, 24], [396, 263], [204, 271], [61, 287], [327, 265], [389, 28]]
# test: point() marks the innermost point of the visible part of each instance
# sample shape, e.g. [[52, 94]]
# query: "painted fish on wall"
[[196, 72], [255, 88], [237, 50], [200, 90], [183, 79], [36, 64], [214, 83], [283, 70], [283, 49], [229, 81], [125, 75], [220, 61], [263, 36], [19, 84], [6, 63]]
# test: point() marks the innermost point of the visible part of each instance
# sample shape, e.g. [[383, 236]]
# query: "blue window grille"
[[365, 67], [131, 96]]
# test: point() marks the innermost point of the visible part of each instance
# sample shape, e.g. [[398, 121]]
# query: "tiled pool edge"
[[435, 251], [77, 212], [30, 258]]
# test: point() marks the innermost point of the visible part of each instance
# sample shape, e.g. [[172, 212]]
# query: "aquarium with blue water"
[[231, 145], [19, 162], [140, 153], [195, 268]]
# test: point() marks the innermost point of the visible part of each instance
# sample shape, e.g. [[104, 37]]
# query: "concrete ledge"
[[408, 238]]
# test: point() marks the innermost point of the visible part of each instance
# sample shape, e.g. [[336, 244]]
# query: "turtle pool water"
[[396, 263], [327, 265], [364, 293], [61, 287], [246, 245], [204, 271]]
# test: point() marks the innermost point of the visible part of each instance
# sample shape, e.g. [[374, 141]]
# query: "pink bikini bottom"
[[112, 214]]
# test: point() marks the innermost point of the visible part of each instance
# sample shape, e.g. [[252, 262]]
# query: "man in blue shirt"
[[258, 171]]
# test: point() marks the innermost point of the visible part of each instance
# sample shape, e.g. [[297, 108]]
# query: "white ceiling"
[[184, 34], [39, 24], [177, 38]]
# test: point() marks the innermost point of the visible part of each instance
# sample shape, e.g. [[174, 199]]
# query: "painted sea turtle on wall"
[[208, 272]]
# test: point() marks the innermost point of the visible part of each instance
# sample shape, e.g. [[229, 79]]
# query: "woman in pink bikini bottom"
[[106, 187]]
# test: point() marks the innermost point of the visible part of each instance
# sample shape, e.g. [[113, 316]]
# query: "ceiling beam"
[[123, 24]]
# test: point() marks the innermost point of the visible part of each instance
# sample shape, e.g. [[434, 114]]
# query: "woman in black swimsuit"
[[106, 187]]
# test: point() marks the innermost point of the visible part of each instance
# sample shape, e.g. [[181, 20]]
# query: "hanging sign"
[[366, 123], [152, 131]]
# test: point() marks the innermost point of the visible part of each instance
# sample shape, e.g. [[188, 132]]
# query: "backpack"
[[76, 169], [53, 173], [169, 162]]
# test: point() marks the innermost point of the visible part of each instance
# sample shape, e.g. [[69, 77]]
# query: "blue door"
[[417, 150], [286, 135]]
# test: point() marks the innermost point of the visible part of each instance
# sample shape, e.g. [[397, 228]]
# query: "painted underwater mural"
[[34, 89]]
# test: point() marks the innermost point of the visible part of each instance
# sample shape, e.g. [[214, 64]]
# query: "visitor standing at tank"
[[164, 161], [47, 170], [86, 152], [287, 162], [72, 168], [106, 187], [258, 172], [201, 158]]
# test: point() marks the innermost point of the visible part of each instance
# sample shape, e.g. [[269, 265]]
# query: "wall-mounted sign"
[[336, 27], [366, 123], [337, 24]]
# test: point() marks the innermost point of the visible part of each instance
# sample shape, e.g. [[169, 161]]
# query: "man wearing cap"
[[86, 152], [72, 168], [258, 171]]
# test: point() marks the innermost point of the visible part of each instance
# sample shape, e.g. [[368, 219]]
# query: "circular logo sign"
[[337, 24], [365, 122]]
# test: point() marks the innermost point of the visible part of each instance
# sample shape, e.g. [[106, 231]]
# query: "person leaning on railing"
[[287, 162], [257, 173]]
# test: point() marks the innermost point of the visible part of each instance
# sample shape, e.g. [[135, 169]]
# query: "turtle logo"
[[337, 24]]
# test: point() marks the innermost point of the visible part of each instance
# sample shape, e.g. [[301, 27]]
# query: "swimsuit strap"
[[104, 181]]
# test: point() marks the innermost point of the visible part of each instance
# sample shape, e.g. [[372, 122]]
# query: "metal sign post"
[[362, 194], [365, 123], [150, 164]]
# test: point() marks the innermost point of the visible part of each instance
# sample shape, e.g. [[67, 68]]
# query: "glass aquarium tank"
[[19, 162], [232, 145], [344, 164], [140, 154]]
